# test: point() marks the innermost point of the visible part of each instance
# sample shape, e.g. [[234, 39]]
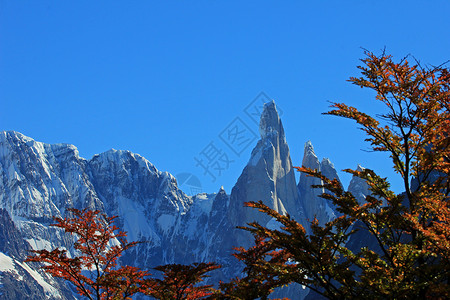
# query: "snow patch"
[[49, 290], [6, 263], [12, 173], [40, 244]]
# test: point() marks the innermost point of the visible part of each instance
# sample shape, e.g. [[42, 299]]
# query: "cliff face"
[[268, 177], [313, 205]]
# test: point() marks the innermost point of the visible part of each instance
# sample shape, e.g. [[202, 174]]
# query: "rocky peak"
[[328, 170], [313, 205], [132, 188], [14, 137], [270, 123], [268, 176], [309, 149], [220, 203], [358, 187], [310, 159]]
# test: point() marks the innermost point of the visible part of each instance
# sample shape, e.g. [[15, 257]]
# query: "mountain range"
[[40, 181]]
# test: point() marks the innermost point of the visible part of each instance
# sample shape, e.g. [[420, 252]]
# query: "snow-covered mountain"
[[39, 181]]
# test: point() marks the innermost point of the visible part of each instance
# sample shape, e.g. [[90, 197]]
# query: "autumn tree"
[[408, 235], [256, 283], [181, 282], [93, 270]]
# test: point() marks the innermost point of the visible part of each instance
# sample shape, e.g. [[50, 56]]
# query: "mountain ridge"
[[40, 181]]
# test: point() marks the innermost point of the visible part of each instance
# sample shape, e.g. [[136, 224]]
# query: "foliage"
[[94, 270], [181, 282], [409, 251], [256, 284]]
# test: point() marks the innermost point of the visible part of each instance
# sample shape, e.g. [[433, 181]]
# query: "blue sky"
[[164, 79]]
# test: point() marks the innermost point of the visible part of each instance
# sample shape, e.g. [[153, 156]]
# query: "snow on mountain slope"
[[20, 271], [147, 201], [39, 181]]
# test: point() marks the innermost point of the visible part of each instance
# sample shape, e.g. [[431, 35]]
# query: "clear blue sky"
[[164, 79]]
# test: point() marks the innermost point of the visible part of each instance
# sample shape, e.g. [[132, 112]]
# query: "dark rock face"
[[11, 240]]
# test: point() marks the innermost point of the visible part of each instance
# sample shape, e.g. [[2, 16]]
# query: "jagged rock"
[[328, 170], [358, 187], [313, 205], [268, 177]]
